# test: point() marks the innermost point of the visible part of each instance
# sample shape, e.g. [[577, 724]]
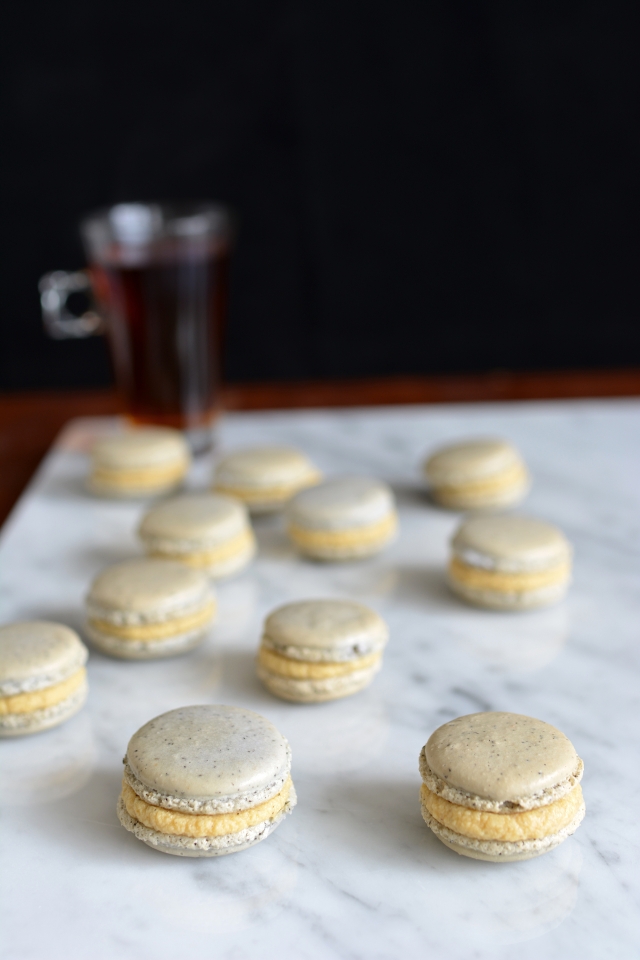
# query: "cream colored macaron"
[[509, 562], [501, 786], [264, 478], [138, 463], [204, 530], [342, 519], [483, 474], [205, 781], [43, 680], [317, 650], [141, 609]]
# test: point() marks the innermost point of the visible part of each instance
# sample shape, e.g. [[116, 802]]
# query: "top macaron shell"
[[501, 757], [137, 590], [209, 758], [342, 502], [469, 460], [510, 542], [36, 654], [325, 630], [195, 521], [264, 477]]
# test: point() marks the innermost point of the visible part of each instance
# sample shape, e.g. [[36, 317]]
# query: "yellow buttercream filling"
[[524, 825], [485, 486], [156, 631], [41, 699], [205, 558], [354, 536], [201, 824], [503, 582], [140, 476], [299, 670], [280, 491]]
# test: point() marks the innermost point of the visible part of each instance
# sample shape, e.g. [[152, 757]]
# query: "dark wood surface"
[[29, 422]]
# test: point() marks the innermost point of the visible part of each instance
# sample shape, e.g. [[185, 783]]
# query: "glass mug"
[[158, 276]]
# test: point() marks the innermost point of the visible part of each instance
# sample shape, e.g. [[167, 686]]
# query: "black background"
[[421, 186]]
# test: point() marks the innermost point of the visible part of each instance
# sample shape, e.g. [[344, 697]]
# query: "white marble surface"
[[354, 872]]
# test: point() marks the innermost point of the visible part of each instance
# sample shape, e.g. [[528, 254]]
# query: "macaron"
[[141, 609], [204, 530], [509, 562], [204, 781], [342, 519], [317, 650], [264, 478], [139, 463], [483, 474], [501, 786], [43, 680]]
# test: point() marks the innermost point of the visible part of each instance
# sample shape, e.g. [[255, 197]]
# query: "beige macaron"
[[316, 650], [204, 781], [141, 609], [345, 518], [482, 474], [204, 530], [43, 680], [509, 562], [264, 478], [139, 462], [501, 786]]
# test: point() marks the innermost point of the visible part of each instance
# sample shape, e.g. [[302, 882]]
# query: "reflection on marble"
[[354, 872]]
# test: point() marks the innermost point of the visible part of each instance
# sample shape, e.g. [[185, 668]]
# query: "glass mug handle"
[[55, 289]]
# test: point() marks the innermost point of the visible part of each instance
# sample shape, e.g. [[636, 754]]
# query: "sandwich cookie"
[[509, 562], [319, 650], [141, 609], [139, 463], [342, 519], [205, 781], [501, 786], [477, 475], [264, 478], [204, 530], [43, 680]]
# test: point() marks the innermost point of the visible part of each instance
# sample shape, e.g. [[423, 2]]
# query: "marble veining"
[[354, 873]]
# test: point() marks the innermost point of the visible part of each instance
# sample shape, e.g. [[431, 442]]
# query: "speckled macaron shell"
[[264, 478], [202, 529], [500, 763], [36, 655], [139, 462], [348, 505], [142, 592], [319, 631], [476, 474]]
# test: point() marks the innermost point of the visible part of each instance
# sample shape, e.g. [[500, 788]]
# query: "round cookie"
[[139, 462], [43, 680], [509, 562], [204, 530], [342, 519], [483, 474], [141, 609], [317, 650], [501, 786], [204, 781], [264, 478]]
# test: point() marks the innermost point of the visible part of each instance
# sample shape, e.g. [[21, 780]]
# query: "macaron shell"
[[500, 756], [208, 752], [36, 654], [510, 542], [469, 460], [263, 467], [195, 519], [341, 503], [147, 586], [318, 630], [144, 447]]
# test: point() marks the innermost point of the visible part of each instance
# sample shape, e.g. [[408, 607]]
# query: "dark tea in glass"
[[159, 278]]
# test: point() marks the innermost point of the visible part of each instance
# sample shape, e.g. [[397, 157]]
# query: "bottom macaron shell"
[[501, 600], [20, 724], [145, 649], [500, 851], [317, 691], [232, 565], [179, 846], [499, 500], [357, 549]]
